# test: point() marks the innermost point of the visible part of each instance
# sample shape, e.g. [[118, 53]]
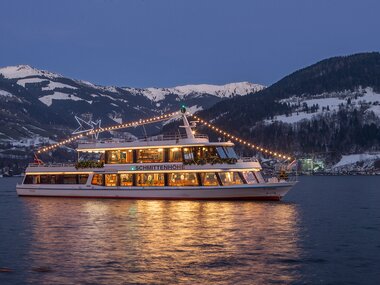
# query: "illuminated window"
[[126, 179], [249, 177], [209, 151], [126, 156], [209, 179], [230, 178], [175, 155], [183, 179], [150, 179], [113, 156], [197, 151], [188, 153], [97, 179], [150, 155], [111, 180]]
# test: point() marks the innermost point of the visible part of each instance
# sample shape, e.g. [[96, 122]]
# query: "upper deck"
[[242, 164], [161, 141]]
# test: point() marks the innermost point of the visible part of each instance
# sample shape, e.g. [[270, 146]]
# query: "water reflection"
[[150, 242]]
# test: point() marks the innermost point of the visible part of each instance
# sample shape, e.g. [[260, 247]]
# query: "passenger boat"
[[186, 166]]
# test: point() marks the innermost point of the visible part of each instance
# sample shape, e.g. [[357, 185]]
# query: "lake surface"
[[325, 231]]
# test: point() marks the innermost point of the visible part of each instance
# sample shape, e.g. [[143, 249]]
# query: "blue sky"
[[143, 43]]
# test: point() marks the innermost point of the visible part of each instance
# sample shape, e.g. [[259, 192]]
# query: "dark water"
[[326, 231]]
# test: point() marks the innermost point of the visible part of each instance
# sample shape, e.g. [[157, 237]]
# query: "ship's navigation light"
[[183, 109]]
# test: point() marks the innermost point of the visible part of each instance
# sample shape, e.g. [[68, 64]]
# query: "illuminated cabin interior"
[[152, 155], [168, 154], [220, 178]]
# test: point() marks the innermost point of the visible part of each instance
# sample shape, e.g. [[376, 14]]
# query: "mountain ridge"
[[27, 72], [33, 99], [330, 108]]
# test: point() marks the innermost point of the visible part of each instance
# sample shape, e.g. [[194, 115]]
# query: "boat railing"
[[248, 159], [51, 165], [292, 178], [147, 139], [173, 137]]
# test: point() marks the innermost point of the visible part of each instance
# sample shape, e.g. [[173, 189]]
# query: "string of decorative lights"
[[239, 140], [162, 118], [111, 128]]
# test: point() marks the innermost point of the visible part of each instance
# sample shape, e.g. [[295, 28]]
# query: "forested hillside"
[[329, 108]]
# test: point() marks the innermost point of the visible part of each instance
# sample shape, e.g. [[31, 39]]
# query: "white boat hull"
[[267, 191]]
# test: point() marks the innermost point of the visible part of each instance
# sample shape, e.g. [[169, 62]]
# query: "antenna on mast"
[[186, 125]]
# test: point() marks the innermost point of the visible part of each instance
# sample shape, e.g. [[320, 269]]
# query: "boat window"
[[29, 179], [83, 178], [221, 152], [188, 153], [197, 151], [230, 178], [126, 179], [69, 179], [44, 179], [56, 179], [209, 151], [113, 156], [91, 156], [183, 179], [97, 179], [175, 155], [150, 155], [126, 156], [249, 177], [36, 179], [53, 179], [230, 152], [111, 180], [209, 179], [259, 177], [150, 179]]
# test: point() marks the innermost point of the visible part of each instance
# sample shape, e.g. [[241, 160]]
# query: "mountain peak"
[[222, 91], [24, 70]]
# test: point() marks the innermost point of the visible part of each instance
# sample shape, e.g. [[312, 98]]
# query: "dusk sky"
[[145, 43]]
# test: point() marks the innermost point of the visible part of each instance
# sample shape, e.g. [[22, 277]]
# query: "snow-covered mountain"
[[21, 71], [222, 91], [328, 109], [34, 101], [315, 106], [27, 75]]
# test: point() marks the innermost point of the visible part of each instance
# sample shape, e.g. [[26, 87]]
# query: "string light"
[[99, 130], [240, 140], [160, 118]]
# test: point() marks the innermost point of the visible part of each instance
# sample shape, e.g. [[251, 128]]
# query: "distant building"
[[311, 165]]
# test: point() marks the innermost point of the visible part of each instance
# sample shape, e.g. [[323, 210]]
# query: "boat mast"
[[186, 125]]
